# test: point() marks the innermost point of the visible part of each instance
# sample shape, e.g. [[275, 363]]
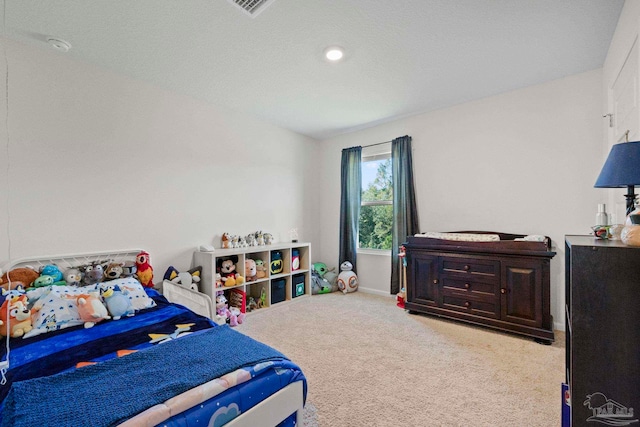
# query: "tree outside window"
[[376, 212]]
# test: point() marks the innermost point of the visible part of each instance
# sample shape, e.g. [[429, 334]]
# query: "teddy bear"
[[250, 270], [232, 315], [24, 276], [114, 270], [227, 269], [19, 321]]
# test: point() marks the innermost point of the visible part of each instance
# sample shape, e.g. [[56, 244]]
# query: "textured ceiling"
[[402, 57]]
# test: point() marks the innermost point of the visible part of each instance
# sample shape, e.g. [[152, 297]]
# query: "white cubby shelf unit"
[[272, 283]]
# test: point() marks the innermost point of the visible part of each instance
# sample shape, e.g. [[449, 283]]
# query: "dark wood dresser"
[[502, 285], [603, 331]]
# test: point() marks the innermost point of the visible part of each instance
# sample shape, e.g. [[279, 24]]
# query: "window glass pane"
[[376, 180], [375, 227]]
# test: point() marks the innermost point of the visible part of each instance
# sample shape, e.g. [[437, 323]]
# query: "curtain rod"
[[379, 143]]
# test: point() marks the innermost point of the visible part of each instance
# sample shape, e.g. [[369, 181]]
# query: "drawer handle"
[[435, 281], [467, 304], [466, 268], [503, 290], [467, 286]]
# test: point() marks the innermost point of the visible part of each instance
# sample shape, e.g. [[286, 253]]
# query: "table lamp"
[[622, 169]]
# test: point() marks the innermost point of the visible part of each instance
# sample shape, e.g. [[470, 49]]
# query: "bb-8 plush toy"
[[347, 279]]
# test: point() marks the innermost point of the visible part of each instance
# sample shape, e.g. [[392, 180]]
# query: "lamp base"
[[631, 198]]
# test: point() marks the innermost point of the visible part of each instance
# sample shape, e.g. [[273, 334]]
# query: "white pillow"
[[132, 288]]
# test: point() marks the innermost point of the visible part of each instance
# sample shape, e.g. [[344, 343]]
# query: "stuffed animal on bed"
[[114, 270], [73, 277], [117, 302], [145, 271], [19, 321], [19, 276], [92, 274], [91, 309]]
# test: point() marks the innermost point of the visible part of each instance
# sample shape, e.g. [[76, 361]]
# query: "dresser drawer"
[[485, 291], [477, 307], [488, 270]]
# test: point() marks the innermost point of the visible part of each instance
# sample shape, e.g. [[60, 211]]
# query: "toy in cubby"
[[226, 313], [228, 272]]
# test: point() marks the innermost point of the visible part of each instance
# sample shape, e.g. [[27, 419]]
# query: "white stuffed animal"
[[347, 279]]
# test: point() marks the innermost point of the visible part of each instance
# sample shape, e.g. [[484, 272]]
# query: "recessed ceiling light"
[[58, 44], [334, 53]]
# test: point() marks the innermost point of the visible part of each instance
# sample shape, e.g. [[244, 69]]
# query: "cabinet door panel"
[[522, 292], [422, 279]]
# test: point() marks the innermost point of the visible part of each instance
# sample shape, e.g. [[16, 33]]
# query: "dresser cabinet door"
[[522, 292], [422, 279]]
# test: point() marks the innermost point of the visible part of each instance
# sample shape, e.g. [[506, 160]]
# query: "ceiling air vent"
[[252, 7]]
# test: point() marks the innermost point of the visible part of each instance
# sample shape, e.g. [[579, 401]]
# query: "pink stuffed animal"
[[223, 313], [91, 309]]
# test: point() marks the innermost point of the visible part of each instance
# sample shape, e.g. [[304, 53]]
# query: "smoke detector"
[[252, 7], [58, 44]]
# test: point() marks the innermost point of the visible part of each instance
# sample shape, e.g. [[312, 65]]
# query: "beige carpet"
[[369, 363]]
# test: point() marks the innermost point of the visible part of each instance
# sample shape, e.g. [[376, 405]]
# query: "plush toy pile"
[[48, 299]]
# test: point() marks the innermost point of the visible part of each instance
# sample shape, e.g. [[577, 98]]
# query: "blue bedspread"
[[139, 380], [46, 386]]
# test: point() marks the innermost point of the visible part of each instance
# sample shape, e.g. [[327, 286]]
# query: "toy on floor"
[[323, 280], [224, 314], [145, 271], [347, 279]]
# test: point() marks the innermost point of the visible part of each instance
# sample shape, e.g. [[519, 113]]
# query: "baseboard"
[[559, 326], [375, 292]]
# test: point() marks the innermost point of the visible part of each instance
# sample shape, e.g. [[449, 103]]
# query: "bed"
[[160, 364]]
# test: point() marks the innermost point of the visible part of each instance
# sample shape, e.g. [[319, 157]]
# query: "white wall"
[[621, 43], [520, 162], [98, 161]]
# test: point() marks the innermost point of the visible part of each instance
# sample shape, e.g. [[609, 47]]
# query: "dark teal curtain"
[[350, 197], [405, 212]]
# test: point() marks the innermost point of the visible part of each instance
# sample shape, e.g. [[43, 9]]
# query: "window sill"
[[377, 252]]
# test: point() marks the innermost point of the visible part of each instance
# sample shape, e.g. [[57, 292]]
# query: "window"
[[376, 212]]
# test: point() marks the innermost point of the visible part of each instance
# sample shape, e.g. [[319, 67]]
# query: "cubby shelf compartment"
[[254, 289]]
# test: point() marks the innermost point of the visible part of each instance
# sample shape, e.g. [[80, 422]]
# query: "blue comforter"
[[47, 387]]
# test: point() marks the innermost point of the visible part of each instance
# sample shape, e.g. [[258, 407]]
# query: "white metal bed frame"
[[269, 412]]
